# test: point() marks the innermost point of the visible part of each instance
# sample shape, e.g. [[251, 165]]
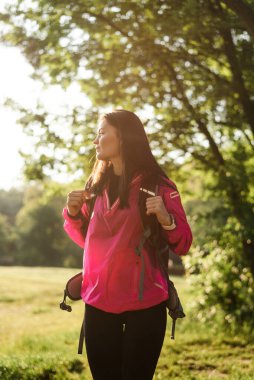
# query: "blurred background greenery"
[[187, 68]]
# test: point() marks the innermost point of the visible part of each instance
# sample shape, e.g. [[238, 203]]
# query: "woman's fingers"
[[154, 204], [74, 201], [80, 193], [153, 201]]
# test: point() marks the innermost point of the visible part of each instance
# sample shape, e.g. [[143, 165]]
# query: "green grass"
[[39, 341]]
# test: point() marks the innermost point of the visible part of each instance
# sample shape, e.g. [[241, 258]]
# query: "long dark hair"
[[136, 155]]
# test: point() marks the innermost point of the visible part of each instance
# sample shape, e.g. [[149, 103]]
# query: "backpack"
[[151, 239]]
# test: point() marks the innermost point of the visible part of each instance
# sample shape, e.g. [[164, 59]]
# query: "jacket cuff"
[[77, 218]]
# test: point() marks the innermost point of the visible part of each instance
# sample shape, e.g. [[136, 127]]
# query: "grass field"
[[39, 341]]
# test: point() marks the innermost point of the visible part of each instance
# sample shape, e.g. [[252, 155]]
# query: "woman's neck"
[[117, 166]]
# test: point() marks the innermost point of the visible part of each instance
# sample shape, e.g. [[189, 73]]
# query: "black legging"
[[124, 346]]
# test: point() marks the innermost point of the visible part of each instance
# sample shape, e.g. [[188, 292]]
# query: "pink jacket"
[[111, 268]]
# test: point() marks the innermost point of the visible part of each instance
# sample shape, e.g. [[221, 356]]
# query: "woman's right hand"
[[75, 201]]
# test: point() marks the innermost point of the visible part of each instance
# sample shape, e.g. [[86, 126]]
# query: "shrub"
[[223, 284]]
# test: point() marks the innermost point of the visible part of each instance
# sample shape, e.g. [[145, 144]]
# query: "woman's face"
[[107, 141]]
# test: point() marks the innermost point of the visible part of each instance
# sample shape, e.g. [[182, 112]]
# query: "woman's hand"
[[75, 200], [155, 205]]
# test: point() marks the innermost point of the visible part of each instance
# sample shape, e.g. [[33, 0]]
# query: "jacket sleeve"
[[73, 225], [181, 237]]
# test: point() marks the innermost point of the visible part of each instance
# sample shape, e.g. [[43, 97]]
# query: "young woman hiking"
[[124, 332]]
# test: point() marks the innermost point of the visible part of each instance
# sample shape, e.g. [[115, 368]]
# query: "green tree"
[[41, 238], [245, 13], [191, 61], [38, 230], [10, 203], [7, 241], [31, 227]]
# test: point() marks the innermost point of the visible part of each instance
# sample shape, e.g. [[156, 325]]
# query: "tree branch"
[[230, 51], [245, 13], [200, 122]]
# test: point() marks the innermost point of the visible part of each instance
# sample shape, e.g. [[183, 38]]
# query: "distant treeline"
[[31, 230]]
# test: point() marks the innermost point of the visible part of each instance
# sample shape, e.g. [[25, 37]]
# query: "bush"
[[223, 284]]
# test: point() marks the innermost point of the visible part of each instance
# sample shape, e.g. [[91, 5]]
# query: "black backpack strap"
[[138, 250], [81, 339], [152, 230], [91, 204], [63, 305]]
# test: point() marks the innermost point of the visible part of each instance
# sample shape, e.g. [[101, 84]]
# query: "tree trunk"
[[231, 54], [245, 13]]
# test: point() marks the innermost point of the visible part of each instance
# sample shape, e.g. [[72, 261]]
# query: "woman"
[[124, 331]]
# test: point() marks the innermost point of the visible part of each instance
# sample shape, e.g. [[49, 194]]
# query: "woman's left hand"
[[155, 205]]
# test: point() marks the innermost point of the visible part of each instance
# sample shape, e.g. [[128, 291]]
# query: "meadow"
[[39, 341]]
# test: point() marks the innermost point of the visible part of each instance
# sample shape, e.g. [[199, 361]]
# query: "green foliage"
[[34, 235], [190, 62], [40, 367], [7, 241], [40, 236], [10, 203], [222, 282]]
